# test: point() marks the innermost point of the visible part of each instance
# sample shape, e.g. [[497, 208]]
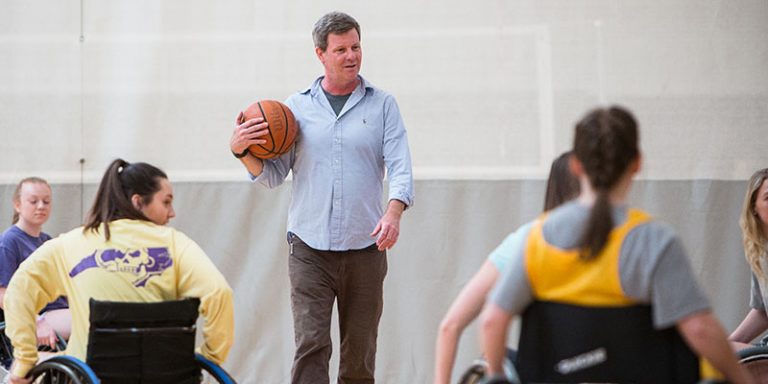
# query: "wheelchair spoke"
[[55, 376]]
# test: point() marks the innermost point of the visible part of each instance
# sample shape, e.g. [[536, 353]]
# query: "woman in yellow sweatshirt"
[[124, 252]]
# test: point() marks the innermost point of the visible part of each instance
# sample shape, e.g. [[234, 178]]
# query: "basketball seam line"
[[269, 151], [285, 124]]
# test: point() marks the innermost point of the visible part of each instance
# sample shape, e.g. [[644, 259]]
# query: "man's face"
[[342, 57]]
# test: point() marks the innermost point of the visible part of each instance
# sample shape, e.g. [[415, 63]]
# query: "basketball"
[[282, 128]]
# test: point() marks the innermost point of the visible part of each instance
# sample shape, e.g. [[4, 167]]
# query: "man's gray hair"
[[333, 22]]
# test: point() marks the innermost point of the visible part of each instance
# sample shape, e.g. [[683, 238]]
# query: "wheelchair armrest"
[[752, 353]]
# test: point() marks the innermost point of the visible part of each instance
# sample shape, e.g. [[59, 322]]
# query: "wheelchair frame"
[[71, 370]]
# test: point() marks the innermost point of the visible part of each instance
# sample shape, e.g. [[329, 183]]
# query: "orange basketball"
[[282, 128]]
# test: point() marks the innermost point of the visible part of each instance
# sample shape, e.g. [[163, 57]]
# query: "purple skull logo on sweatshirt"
[[142, 263]]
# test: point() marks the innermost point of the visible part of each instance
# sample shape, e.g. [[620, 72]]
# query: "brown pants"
[[355, 280]]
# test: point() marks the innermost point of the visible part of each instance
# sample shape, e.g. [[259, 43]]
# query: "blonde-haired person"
[[125, 252], [32, 201], [754, 229], [561, 187]]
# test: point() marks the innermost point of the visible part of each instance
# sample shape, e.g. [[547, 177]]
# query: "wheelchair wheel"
[[475, 373], [211, 373], [63, 370], [755, 359], [6, 349]]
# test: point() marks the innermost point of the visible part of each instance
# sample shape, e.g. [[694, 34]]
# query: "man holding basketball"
[[338, 231]]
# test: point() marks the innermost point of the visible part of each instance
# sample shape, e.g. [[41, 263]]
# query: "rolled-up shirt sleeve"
[[397, 156]]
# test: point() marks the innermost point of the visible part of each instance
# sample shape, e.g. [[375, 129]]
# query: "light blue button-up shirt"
[[338, 166]]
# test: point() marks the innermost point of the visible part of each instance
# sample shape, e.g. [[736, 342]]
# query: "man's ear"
[[319, 52]]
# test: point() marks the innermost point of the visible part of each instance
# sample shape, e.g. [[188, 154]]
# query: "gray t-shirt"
[[653, 266], [757, 298], [337, 101]]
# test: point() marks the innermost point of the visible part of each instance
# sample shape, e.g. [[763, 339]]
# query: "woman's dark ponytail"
[[122, 180], [606, 143]]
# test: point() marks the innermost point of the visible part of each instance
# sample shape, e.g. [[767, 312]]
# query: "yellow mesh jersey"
[[559, 275]]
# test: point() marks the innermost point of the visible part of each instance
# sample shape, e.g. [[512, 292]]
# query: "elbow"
[[697, 330], [488, 323], [450, 327], [700, 327]]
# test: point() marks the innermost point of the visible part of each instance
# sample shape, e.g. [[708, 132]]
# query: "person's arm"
[[707, 338], [493, 336], [756, 321], [753, 325], [397, 161], [199, 277], [9, 263], [35, 284], [46, 335], [248, 133], [388, 227], [464, 309]]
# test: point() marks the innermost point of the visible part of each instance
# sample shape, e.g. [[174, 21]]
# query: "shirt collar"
[[315, 88]]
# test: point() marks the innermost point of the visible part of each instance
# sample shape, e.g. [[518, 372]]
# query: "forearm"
[[34, 285], [218, 332], [445, 353], [199, 277], [754, 324], [494, 336], [395, 207], [707, 338], [21, 329], [464, 309], [253, 164]]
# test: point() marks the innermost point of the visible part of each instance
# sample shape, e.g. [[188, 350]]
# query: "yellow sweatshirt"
[[142, 262]]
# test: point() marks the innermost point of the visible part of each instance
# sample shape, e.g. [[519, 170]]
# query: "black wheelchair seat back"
[[568, 343], [147, 343]]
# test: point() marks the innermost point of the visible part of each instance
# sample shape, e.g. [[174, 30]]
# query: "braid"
[[606, 144]]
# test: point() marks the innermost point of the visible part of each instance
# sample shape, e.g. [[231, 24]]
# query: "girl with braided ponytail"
[[606, 293]]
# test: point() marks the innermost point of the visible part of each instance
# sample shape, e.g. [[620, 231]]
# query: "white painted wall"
[[488, 89]]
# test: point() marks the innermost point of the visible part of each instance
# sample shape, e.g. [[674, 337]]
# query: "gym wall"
[[489, 92]]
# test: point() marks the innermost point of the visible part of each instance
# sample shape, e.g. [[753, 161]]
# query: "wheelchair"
[[136, 343], [577, 350], [477, 372], [6, 349], [755, 359]]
